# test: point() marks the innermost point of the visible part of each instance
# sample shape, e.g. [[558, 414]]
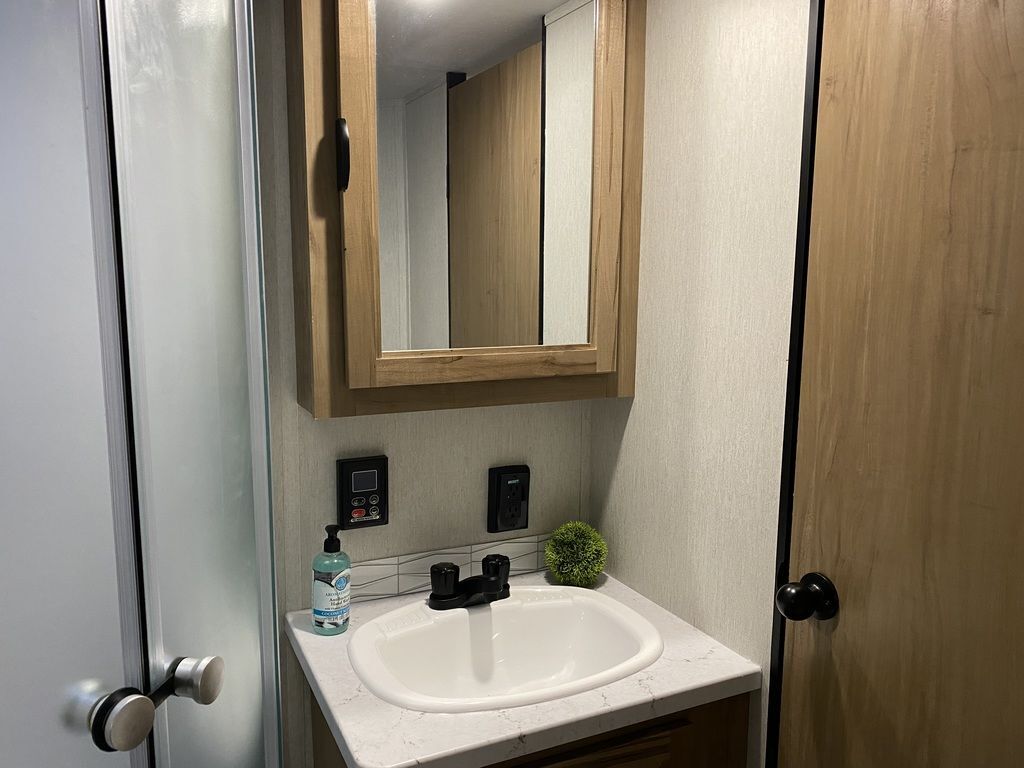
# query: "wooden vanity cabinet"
[[710, 736]]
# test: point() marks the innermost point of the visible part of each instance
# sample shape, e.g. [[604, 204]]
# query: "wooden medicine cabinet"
[[466, 190]]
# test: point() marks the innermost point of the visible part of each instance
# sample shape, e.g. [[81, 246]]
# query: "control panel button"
[[358, 501], [374, 511], [359, 512], [375, 499]]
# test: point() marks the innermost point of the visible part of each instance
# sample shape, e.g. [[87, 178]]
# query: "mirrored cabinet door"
[[476, 220], [484, 160]]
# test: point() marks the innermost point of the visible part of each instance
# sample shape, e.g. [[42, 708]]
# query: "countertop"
[[693, 670]]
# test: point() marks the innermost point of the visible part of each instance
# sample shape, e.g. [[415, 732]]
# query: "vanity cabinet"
[[710, 736], [465, 201]]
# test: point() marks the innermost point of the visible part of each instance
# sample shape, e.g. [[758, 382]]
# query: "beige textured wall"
[[438, 461], [393, 182], [426, 152], [685, 479]]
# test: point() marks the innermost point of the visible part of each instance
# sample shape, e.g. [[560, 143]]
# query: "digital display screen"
[[364, 480]]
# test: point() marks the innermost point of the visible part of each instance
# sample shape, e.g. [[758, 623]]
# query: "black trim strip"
[[452, 79], [129, 420], [816, 23], [543, 176]]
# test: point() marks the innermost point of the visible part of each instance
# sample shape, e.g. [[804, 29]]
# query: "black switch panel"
[[508, 498], [363, 492]]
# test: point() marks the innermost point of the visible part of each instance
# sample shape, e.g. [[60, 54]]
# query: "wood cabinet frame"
[[341, 368]]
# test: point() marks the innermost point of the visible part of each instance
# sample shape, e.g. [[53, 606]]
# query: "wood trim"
[[606, 217], [484, 364], [360, 206], [432, 397], [312, 40], [316, 225], [632, 197]]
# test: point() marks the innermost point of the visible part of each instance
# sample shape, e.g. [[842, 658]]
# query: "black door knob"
[[814, 595]]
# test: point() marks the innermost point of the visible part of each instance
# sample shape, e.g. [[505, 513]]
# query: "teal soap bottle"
[[332, 575]]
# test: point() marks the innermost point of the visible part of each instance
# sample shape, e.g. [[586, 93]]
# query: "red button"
[[358, 513]]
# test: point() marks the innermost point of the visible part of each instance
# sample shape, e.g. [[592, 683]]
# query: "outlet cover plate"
[[508, 498]]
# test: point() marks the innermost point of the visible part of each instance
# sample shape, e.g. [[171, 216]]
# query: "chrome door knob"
[[120, 720], [199, 679]]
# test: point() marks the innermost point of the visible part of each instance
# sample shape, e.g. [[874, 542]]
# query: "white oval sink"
[[540, 644]]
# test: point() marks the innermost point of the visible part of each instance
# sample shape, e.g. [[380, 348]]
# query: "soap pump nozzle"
[[332, 543]]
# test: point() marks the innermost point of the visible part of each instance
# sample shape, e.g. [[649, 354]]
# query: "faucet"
[[448, 592]]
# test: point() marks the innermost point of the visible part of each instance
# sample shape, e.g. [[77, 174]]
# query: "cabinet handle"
[[343, 152]]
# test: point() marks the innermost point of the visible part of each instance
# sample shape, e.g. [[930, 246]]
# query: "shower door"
[[181, 109], [133, 446]]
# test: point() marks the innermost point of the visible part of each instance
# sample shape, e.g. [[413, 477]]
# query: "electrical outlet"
[[508, 498]]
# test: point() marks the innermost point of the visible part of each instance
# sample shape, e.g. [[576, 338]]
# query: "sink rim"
[[378, 678]]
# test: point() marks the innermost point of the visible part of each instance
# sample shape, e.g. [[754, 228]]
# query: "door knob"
[[199, 679], [120, 720], [814, 595]]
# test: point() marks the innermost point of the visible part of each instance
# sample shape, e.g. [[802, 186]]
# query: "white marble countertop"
[[694, 669]]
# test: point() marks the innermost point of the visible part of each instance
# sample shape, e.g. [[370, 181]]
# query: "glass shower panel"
[[183, 144]]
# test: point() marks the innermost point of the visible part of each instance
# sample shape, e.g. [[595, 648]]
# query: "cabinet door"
[[711, 736]]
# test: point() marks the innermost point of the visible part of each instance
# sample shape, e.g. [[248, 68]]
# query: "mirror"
[[485, 154]]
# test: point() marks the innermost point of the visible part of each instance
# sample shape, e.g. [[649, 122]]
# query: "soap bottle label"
[[331, 597]]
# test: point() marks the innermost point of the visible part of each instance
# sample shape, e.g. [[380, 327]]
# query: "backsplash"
[[404, 574]]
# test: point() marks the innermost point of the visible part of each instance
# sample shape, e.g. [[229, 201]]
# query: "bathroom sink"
[[539, 644]]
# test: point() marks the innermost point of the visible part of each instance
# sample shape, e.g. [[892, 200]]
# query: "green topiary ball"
[[575, 554]]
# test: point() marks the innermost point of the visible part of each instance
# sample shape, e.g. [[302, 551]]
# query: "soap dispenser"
[[332, 574]]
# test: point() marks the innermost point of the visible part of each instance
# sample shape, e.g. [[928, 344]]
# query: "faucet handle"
[[444, 578], [496, 565]]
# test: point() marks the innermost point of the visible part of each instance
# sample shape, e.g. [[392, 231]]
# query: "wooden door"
[[909, 489], [494, 140]]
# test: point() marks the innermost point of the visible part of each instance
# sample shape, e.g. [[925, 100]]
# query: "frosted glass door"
[[182, 137], [59, 608]]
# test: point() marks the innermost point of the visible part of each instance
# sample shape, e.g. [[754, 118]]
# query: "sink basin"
[[542, 643]]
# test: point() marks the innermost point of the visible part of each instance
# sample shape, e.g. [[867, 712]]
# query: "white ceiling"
[[418, 41]]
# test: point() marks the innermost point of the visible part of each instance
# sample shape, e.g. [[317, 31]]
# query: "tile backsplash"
[[404, 574]]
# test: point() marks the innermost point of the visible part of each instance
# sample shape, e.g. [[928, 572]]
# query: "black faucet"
[[448, 592]]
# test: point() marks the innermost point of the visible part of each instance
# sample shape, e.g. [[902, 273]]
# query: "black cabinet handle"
[[343, 152], [814, 595]]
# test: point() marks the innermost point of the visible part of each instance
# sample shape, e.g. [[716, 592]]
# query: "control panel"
[[362, 492]]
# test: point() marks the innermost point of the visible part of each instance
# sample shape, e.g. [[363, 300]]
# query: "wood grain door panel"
[[494, 147], [909, 486]]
